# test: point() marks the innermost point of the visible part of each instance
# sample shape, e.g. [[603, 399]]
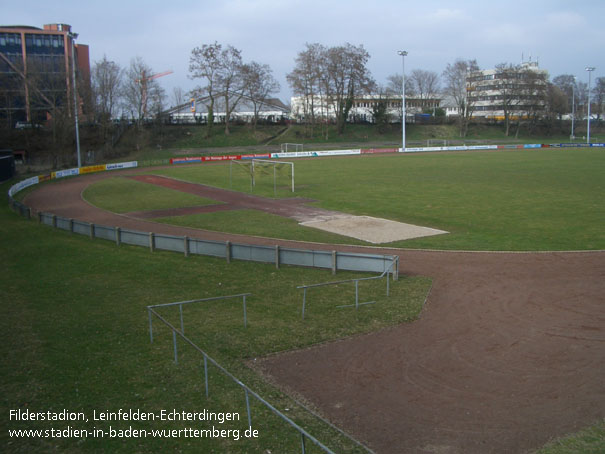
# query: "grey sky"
[[564, 36]]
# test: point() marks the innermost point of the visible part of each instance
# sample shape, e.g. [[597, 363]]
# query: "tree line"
[[329, 79]]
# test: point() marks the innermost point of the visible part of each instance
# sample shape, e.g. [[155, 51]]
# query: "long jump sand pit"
[[370, 229]]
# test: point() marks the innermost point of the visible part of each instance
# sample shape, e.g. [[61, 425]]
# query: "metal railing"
[[332, 260], [201, 300], [390, 270], [304, 435]]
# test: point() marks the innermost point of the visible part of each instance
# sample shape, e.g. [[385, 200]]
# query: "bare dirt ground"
[[509, 351]]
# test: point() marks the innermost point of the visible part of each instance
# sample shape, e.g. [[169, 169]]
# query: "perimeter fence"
[[207, 359], [390, 270], [278, 255]]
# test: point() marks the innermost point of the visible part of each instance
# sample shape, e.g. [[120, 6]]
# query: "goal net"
[[264, 172], [288, 147], [440, 142]]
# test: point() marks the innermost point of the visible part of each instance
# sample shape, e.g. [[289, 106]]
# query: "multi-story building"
[[270, 110], [511, 92], [363, 107], [36, 72]]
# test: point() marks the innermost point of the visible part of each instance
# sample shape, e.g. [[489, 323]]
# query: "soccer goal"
[[441, 142], [285, 147], [259, 169]]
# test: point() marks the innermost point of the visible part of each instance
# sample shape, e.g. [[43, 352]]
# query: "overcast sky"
[[563, 36]]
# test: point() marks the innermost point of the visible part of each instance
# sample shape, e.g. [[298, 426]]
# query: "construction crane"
[[143, 82]]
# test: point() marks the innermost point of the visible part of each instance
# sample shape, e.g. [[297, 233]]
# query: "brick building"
[[36, 72]]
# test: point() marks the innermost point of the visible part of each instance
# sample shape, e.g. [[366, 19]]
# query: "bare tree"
[[107, 86], [598, 94], [308, 81], [506, 74], [259, 83], [567, 84], [347, 66], [456, 87], [556, 103], [135, 95], [425, 83], [394, 88], [221, 70], [394, 85], [531, 92], [204, 64], [178, 97], [231, 80]]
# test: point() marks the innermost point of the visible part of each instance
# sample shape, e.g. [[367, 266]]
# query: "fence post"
[[302, 442], [181, 314], [150, 326], [304, 302], [176, 359], [118, 236], [388, 288], [54, 221], [334, 262], [248, 408], [92, 230], [277, 256], [206, 373], [228, 251], [186, 246], [39, 217], [71, 226], [245, 316], [151, 241], [356, 294]]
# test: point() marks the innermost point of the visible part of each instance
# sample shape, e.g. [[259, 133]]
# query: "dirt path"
[[509, 351]]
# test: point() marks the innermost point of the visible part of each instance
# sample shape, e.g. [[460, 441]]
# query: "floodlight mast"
[[573, 108], [403, 53], [590, 69], [73, 37]]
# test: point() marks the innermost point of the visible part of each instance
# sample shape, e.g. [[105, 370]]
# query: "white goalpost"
[[295, 146], [256, 167], [431, 142]]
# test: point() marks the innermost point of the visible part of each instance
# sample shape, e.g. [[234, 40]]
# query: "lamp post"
[[573, 107], [403, 53], [73, 37], [590, 69]]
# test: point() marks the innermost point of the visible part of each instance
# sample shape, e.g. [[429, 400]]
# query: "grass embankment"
[[514, 200], [182, 140], [74, 336]]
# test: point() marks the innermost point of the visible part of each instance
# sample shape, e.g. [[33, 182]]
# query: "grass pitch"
[[520, 200]]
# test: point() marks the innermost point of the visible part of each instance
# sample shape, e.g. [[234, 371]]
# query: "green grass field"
[[141, 196], [74, 332], [513, 200], [74, 336]]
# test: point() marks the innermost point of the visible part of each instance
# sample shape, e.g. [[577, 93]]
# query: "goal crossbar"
[[275, 164]]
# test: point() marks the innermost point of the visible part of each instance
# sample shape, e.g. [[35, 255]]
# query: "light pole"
[[573, 107], [590, 69], [73, 37], [403, 53]]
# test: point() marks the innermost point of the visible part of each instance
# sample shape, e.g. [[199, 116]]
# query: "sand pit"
[[372, 230]]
